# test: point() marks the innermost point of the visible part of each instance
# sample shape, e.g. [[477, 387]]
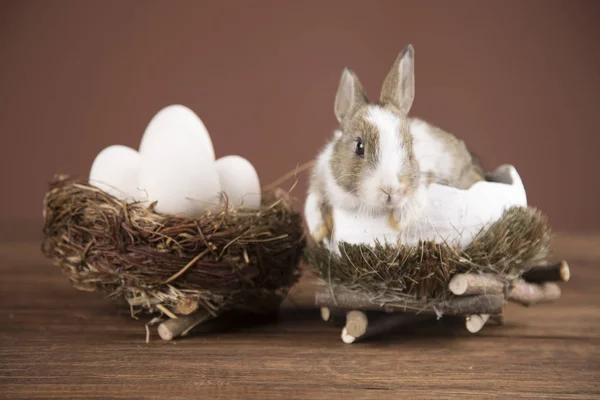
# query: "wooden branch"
[[468, 305], [334, 316], [187, 305], [325, 314], [549, 272], [346, 338], [360, 326], [354, 300], [531, 293], [470, 284], [356, 323], [180, 326], [347, 299], [475, 323]]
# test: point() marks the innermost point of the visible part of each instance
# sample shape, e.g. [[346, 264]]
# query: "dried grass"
[[233, 259], [507, 248]]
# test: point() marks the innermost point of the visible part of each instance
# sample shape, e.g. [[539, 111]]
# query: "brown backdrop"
[[518, 80]]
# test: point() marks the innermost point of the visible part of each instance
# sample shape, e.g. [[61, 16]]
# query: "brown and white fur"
[[381, 161]]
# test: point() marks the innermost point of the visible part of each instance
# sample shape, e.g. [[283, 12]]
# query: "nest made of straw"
[[507, 249], [232, 259]]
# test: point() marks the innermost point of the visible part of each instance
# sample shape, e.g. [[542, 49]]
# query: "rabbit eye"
[[360, 148]]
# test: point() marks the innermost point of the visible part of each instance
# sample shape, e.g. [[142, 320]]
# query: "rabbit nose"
[[389, 190]]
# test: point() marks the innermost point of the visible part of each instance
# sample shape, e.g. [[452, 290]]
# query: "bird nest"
[[506, 261], [188, 269]]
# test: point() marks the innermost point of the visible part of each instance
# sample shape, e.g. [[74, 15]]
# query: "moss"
[[507, 248]]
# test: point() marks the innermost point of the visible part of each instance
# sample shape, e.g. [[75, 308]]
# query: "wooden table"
[[56, 342]]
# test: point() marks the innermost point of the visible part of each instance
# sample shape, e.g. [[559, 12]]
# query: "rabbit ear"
[[399, 85], [350, 96]]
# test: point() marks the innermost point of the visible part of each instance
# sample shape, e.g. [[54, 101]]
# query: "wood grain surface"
[[56, 342]]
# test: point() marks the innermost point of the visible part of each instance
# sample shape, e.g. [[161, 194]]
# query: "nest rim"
[[506, 249]]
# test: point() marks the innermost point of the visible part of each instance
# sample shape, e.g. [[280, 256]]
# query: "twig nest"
[[485, 229], [175, 168], [469, 253], [235, 258]]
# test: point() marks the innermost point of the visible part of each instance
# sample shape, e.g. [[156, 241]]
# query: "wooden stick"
[[475, 323], [187, 266], [469, 284], [354, 300], [180, 326], [334, 316], [468, 305], [165, 311], [325, 314], [347, 299], [346, 338], [531, 293], [364, 327], [549, 272], [187, 305], [356, 323], [289, 175]]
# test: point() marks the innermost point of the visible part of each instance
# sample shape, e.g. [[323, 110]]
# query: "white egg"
[[180, 119], [177, 171], [115, 170], [239, 181]]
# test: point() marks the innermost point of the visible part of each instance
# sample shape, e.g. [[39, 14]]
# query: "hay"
[[236, 259], [507, 249]]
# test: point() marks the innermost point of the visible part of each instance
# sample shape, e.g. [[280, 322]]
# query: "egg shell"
[[180, 119], [115, 170], [451, 215], [176, 170], [239, 181]]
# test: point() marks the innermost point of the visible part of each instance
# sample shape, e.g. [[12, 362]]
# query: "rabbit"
[[380, 161]]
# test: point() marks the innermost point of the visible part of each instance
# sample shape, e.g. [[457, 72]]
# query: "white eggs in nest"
[[239, 181], [115, 170], [180, 121], [175, 168]]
